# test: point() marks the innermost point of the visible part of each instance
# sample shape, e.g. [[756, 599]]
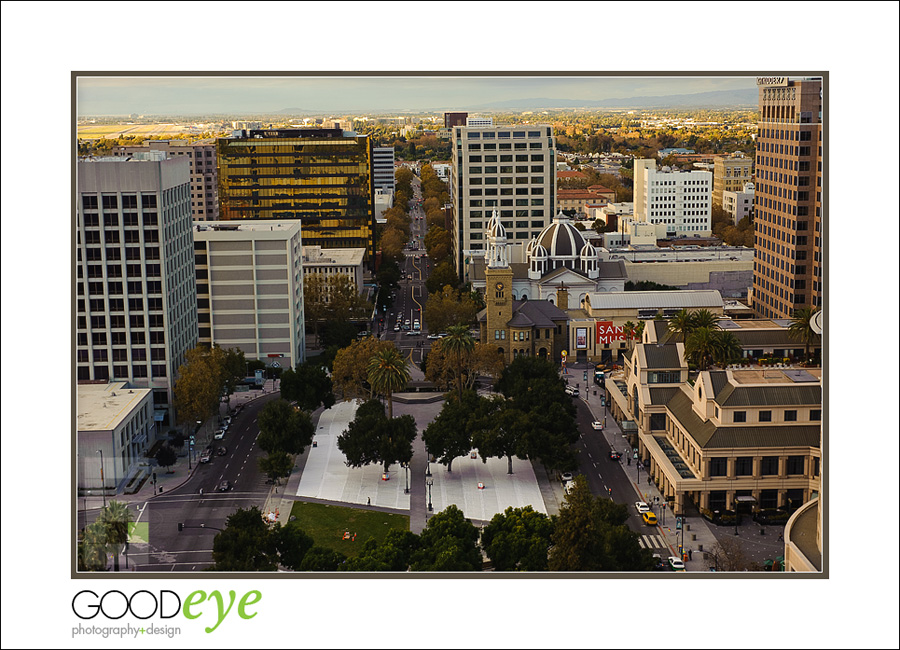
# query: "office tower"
[[250, 288], [454, 119], [787, 269], [505, 167], [136, 298], [323, 177], [201, 156], [730, 174], [677, 202], [383, 168]]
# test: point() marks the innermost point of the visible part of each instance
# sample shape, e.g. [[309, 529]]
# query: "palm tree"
[[681, 324], [726, 347], [801, 328], [388, 373], [92, 548], [458, 340], [704, 318], [114, 520], [700, 345]]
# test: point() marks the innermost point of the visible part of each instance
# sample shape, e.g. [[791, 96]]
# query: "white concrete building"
[[739, 204], [136, 299], [679, 203], [383, 168], [250, 288], [479, 121], [334, 261], [504, 167], [117, 420]]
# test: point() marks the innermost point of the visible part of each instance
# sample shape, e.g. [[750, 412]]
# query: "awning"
[[159, 415]]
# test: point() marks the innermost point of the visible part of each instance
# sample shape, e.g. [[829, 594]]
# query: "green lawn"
[[327, 525]]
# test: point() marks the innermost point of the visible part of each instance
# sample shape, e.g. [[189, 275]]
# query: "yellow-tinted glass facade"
[[320, 176]]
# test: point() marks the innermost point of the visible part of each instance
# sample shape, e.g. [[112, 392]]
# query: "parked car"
[[675, 564], [615, 455], [659, 564], [569, 486], [596, 425], [221, 451], [206, 456], [219, 434], [567, 476], [223, 486], [649, 518], [227, 420], [641, 507], [571, 390]]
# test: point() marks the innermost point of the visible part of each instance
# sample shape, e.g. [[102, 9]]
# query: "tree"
[[201, 380], [704, 318], [496, 430], [338, 334], [801, 328], [447, 306], [700, 346], [92, 548], [437, 243], [728, 555], [350, 372], [115, 520], [518, 540], [448, 543], [458, 340], [392, 242], [373, 438], [344, 300], [726, 347], [590, 535], [448, 435], [166, 457], [680, 324], [392, 554], [246, 543], [277, 464], [308, 385], [234, 367], [292, 544], [388, 373], [443, 275], [319, 558], [283, 427]]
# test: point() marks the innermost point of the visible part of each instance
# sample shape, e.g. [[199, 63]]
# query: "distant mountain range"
[[716, 98]]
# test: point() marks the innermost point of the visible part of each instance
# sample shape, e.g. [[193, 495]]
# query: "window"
[[740, 416], [718, 466], [765, 416], [790, 416], [743, 466], [815, 415], [768, 466], [795, 464]]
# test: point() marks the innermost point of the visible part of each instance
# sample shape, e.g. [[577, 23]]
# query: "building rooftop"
[[102, 407], [656, 299], [246, 226], [338, 256]]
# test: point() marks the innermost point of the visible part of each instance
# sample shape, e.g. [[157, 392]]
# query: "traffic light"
[[180, 526]]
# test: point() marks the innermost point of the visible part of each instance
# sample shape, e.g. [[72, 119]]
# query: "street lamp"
[[102, 480], [406, 467], [429, 483], [427, 463]]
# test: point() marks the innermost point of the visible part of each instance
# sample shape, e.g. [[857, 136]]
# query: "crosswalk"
[[652, 541]]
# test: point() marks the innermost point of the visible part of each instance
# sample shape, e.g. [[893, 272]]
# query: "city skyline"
[[214, 93]]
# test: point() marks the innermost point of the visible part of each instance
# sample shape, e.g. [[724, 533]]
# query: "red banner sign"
[[607, 332]]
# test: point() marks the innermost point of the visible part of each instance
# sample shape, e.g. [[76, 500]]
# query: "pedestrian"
[[690, 554], [368, 501]]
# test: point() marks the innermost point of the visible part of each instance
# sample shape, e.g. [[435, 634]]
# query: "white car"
[[641, 507], [219, 434], [567, 477], [597, 425], [675, 564]]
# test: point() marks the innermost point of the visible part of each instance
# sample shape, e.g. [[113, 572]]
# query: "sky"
[[206, 95]]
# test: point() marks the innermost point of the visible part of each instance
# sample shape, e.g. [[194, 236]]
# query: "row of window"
[[504, 146], [768, 466], [111, 219], [121, 338], [98, 322], [502, 135], [101, 372], [120, 355], [790, 415]]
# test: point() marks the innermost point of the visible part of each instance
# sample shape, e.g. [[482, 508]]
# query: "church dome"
[[588, 251], [495, 229], [562, 240], [539, 252]]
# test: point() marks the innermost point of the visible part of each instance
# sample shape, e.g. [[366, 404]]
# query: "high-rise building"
[[505, 167], [201, 157], [454, 119], [787, 271], [136, 296], [250, 288], [323, 177], [730, 173], [383, 168], [677, 202]]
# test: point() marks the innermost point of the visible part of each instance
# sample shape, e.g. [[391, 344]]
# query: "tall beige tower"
[[498, 290]]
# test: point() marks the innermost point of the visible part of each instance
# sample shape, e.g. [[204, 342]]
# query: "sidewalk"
[[697, 535]]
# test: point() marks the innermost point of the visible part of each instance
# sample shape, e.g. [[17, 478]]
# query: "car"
[[567, 477], [675, 564], [433, 337], [219, 434], [615, 455], [569, 486], [596, 425], [641, 507], [227, 420], [649, 518], [206, 456], [221, 451], [571, 390], [397, 327], [658, 565], [412, 333], [223, 486]]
